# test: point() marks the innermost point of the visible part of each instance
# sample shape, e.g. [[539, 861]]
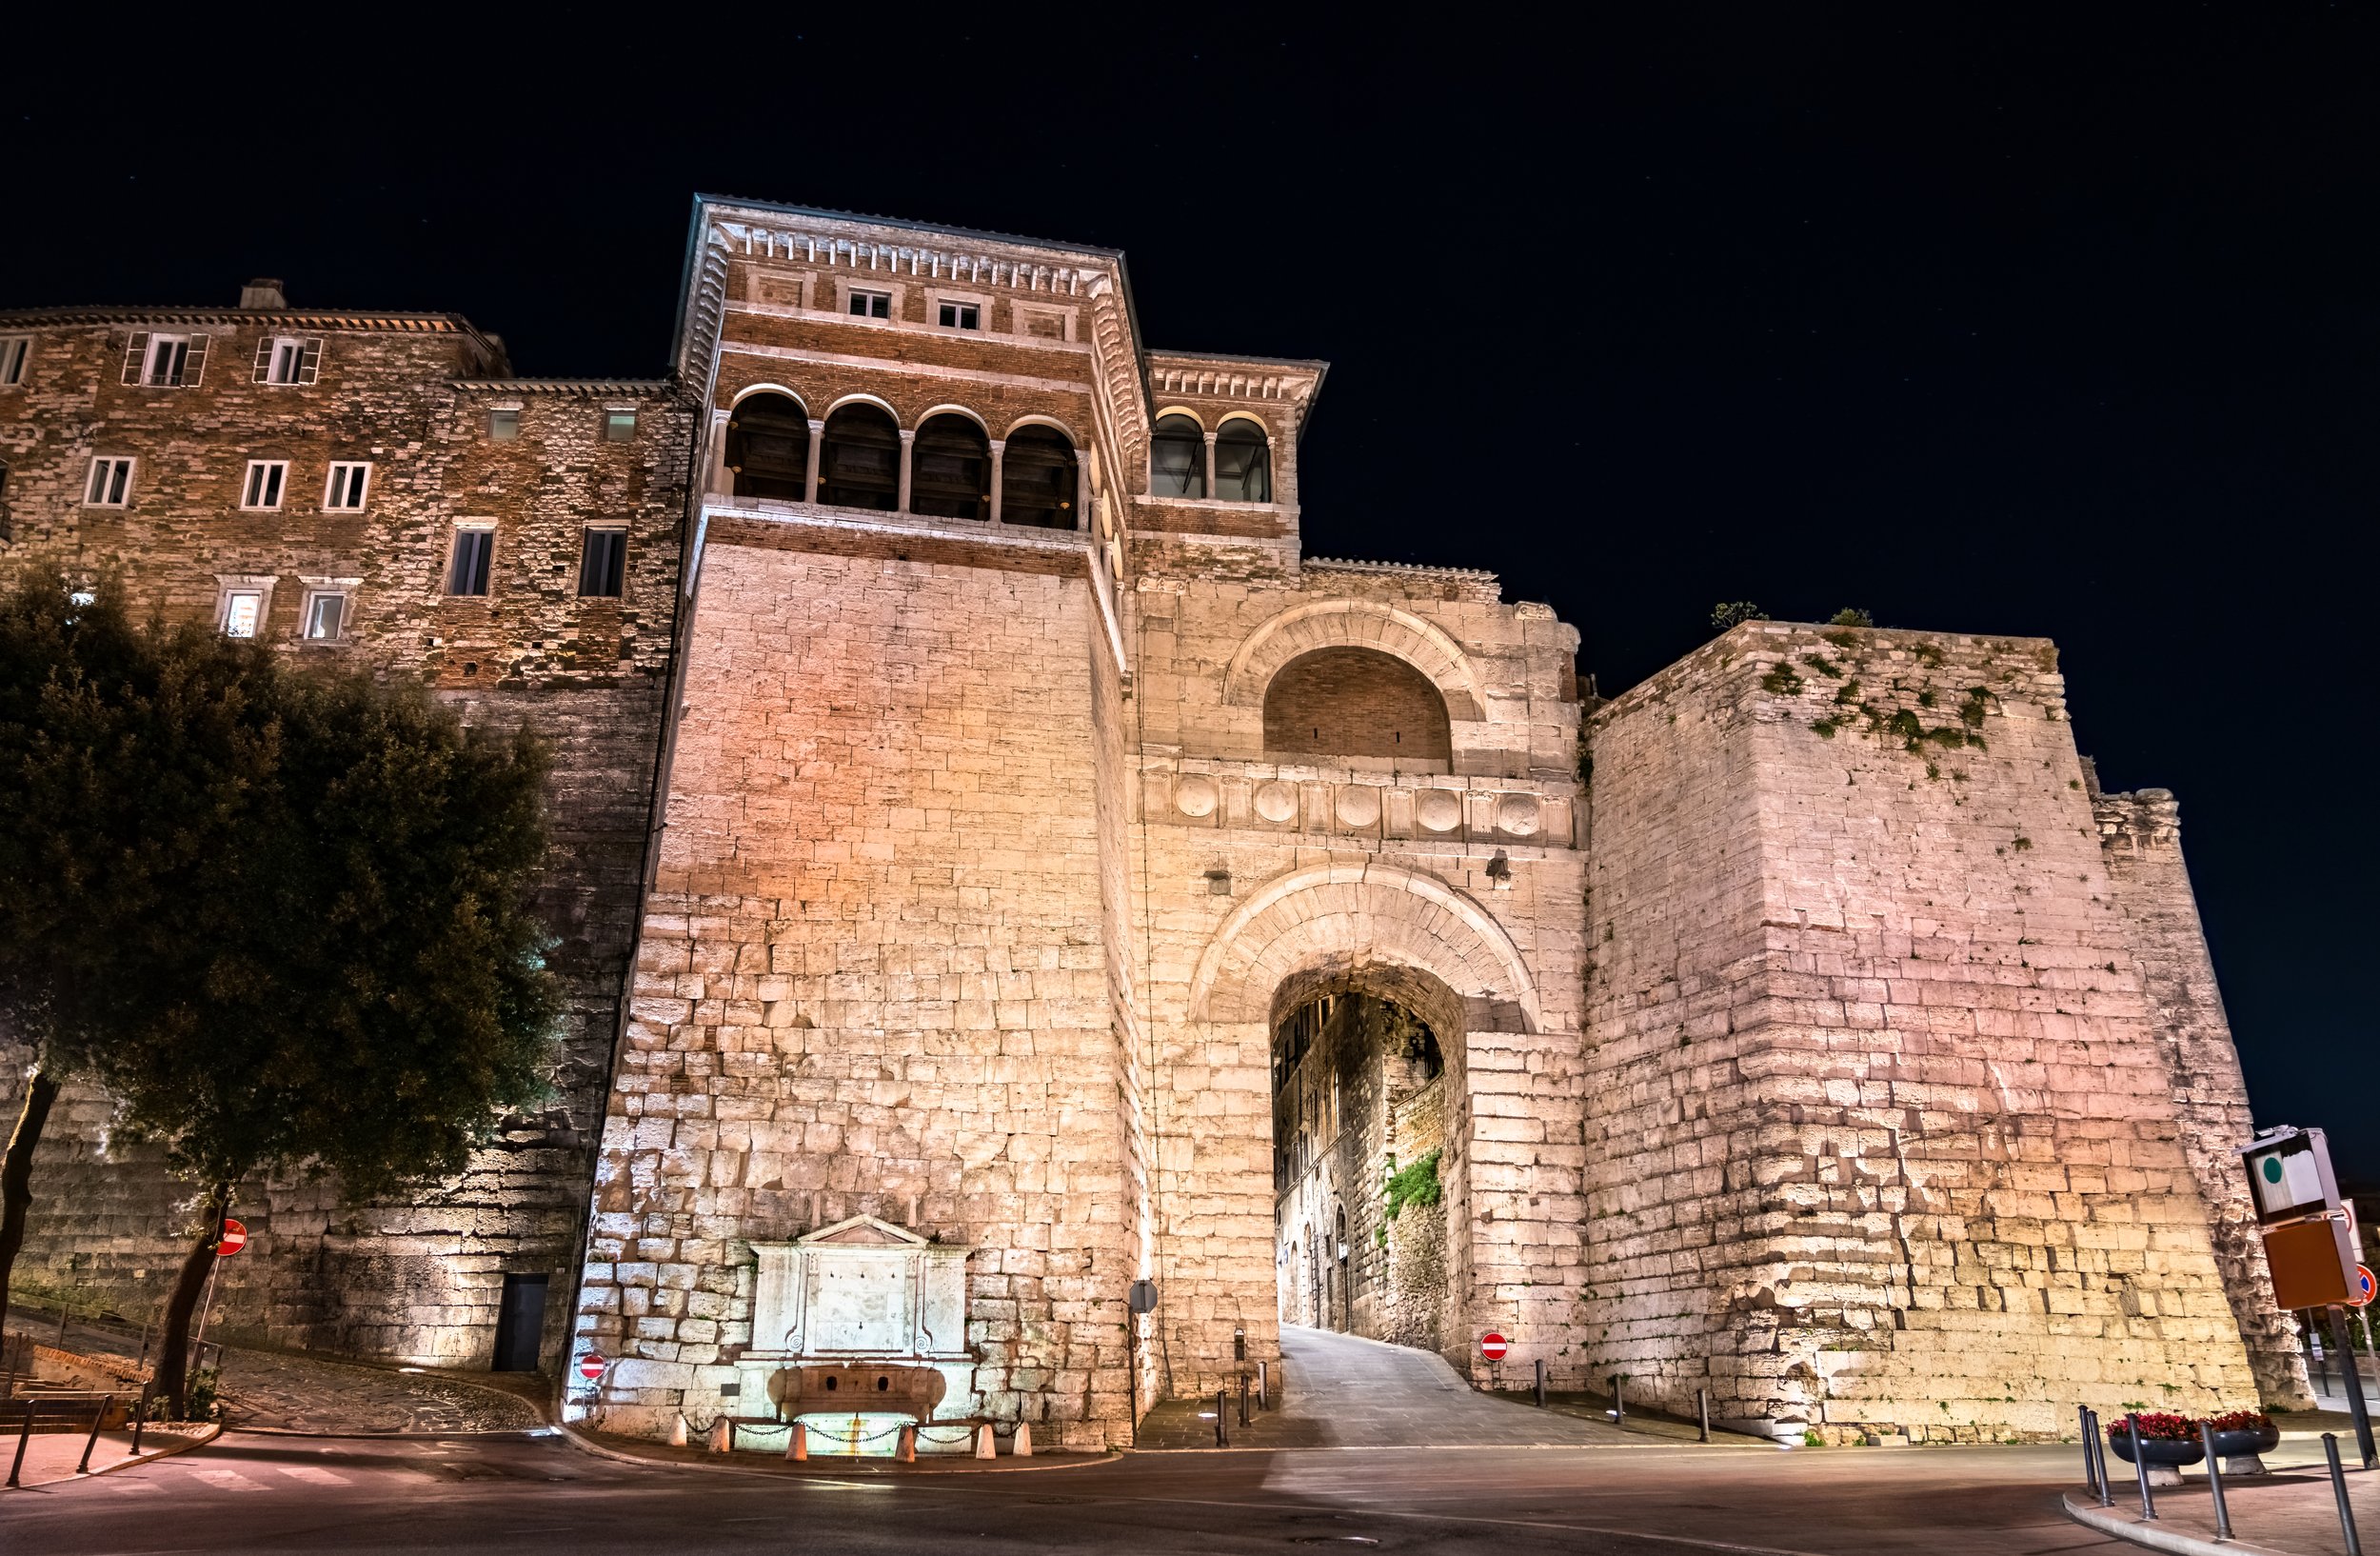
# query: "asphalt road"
[[520, 1493]]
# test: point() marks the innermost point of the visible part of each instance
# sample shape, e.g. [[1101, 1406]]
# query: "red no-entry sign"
[[1493, 1346], [234, 1239], [591, 1366]]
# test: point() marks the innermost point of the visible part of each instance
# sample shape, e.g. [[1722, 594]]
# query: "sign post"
[[1140, 1300], [2309, 1245]]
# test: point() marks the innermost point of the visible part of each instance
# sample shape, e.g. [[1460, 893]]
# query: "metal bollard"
[[83, 1467], [1619, 1405], [2214, 1485], [1702, 1407], [1264, 1386], [1244, 1398], [2140, 1463], [17, 1467], [2099, 1457], [140, 1419], [1223, 1421], [2090, 1468], [2338, 1489], [1540, 1383]]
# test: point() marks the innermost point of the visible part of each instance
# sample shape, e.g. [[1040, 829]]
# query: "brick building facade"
[[1027, 791], [373, 488]]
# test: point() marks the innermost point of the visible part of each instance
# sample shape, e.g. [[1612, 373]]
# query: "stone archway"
[[1407, 937]]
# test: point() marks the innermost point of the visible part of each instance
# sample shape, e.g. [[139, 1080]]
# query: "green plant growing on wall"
[[1850, 615], [1416, 1184], [1732, 613], [1781, 682], [1823, 665]]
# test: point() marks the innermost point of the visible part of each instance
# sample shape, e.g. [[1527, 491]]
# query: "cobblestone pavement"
[[293, 1392], [1343, 1391]]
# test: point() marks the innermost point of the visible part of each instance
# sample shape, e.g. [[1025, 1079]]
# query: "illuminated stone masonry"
[[1059, 880]]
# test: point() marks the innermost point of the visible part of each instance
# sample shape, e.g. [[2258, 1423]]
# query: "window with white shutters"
[[348, 484], [165, 361], [289, 359]]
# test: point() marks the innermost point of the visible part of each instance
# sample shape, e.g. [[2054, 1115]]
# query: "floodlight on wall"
[[1499, 869]]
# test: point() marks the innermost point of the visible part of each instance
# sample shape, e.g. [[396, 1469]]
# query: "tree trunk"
[[174, 1347], [16, 1176]]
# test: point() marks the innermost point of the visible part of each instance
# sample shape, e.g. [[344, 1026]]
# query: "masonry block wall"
[[1943, 1186], [1271, 878], [2140, 834], [423, 402], [872, 982]]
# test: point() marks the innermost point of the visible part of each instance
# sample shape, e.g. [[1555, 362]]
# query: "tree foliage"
[[126, 757], [373, 992], [283, 917]]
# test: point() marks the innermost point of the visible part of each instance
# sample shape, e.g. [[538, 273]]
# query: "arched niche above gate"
[[1355, 623]]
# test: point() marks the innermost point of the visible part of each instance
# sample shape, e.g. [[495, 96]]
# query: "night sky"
[[2064, 325]]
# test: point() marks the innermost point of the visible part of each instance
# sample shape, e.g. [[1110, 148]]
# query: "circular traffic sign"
[[234, 1239], [2364, 1288], [591, 1366], [1493, 1346]]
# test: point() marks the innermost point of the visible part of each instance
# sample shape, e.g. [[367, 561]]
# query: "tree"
[[125, 755], [375, 996], [336, 966], [1732, 613]]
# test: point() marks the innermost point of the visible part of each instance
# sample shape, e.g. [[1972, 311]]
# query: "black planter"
[[2160, 1450], [2234, 1445]]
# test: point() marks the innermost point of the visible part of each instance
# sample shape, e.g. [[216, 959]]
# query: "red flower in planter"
[[2236, 1421], [2157, 1426]]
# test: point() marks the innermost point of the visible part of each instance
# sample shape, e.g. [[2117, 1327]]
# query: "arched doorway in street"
[[1361, 1109]]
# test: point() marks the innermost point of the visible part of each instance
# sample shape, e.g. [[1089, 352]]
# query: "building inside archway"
[[1358, 1134]]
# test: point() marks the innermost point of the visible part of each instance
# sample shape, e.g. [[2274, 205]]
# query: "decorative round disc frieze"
[[1359, 805], [1438, 810], [1517, 814], [1275, 802], [1195, 795]]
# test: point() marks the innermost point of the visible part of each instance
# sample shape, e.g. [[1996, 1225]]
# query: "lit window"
[[14, 350], [348, 484], [326, 616], [474, 548], [618, 426], [503, 425], [288, 359], [110, 483], [872, 305], [960, 316], [243, 611], [265, 477], [602, 560]]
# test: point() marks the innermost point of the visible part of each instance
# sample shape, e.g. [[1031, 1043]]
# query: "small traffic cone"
[[905, 1448], [798, 1444]]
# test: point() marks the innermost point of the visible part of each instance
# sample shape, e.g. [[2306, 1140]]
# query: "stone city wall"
[[2140, 834], [1855, 936]]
